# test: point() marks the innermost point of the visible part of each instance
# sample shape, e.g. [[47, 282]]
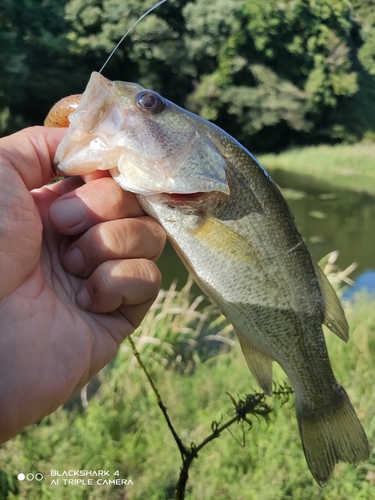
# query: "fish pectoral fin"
[[334, 316], [259, 364], [223, 239]]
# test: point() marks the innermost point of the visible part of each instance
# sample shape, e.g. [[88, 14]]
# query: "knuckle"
[[140, 237], [102, 280], [154, 236], [151, 274], [111, 240]]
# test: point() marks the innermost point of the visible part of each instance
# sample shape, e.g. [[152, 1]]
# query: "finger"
[[31, 152], [139, 237], [136, 313], [115, 284], [97, 174], [61, 187], [98, 201]]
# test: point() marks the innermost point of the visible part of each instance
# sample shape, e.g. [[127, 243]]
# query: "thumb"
[[25, 163], [31, 152]]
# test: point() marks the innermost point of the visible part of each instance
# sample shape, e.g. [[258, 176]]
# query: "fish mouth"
[[199, 200], [182, 199]]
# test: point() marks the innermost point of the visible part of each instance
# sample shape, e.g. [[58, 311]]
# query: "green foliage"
[[153, 54], [270, 73], [35, 61], [284, 70], [123, 429], [365, 15]]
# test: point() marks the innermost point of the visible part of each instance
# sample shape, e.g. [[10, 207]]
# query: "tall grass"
[[123, 430], [346, 166]]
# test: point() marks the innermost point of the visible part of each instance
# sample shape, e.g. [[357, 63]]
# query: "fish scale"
[[237, 236]]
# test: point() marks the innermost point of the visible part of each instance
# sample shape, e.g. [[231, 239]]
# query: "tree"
[[153, 54], [285, 70], [38, 67], [271, 73]]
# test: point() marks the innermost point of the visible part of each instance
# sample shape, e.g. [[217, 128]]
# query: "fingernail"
[[73, 261], [68, 212], [83, 299]]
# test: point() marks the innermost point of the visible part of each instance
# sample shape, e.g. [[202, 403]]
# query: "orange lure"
[[58, 115]]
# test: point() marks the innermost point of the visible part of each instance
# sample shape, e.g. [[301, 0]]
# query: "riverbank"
[[122, 430], [348, 166]]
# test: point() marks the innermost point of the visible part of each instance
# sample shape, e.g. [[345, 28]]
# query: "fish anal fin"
[[334, 316], [259, 364], [331, 435]]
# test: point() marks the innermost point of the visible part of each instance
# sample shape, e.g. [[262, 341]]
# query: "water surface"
[[329, 219]]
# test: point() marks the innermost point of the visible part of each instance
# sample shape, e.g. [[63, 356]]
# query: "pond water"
[[328, 218]]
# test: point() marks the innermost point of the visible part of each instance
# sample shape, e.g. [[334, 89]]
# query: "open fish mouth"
[[182, 199], [109, 131]]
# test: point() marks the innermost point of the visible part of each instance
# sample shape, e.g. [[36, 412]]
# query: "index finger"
[[98, 201]]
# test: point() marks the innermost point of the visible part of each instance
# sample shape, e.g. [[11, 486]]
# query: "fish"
[[235, 233]]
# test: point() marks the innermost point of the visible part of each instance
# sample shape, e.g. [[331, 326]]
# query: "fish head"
[[149, 144]]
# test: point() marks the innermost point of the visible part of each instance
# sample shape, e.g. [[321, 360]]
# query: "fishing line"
[[129, 30]]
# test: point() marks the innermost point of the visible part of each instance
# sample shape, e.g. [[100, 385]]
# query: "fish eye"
[[150, 101]]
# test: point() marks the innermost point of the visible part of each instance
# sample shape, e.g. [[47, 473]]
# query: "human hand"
[[76, 277]]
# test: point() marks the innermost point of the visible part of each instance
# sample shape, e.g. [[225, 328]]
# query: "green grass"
[[345, 166], [123, 429]]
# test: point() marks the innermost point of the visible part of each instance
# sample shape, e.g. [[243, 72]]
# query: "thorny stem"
[[251, 404], [163, 408], [193, 453]]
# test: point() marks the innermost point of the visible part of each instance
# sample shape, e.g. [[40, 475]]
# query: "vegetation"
[[342, 166], [122, 428], [272, 74]]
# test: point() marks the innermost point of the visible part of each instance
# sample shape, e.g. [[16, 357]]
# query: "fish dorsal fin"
[[223, 239], [259, 364], [334, 316]]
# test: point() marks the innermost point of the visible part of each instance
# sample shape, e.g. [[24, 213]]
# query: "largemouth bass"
[[234, 232]]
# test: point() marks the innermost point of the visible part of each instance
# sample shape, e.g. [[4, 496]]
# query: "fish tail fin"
[[332, 435]]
